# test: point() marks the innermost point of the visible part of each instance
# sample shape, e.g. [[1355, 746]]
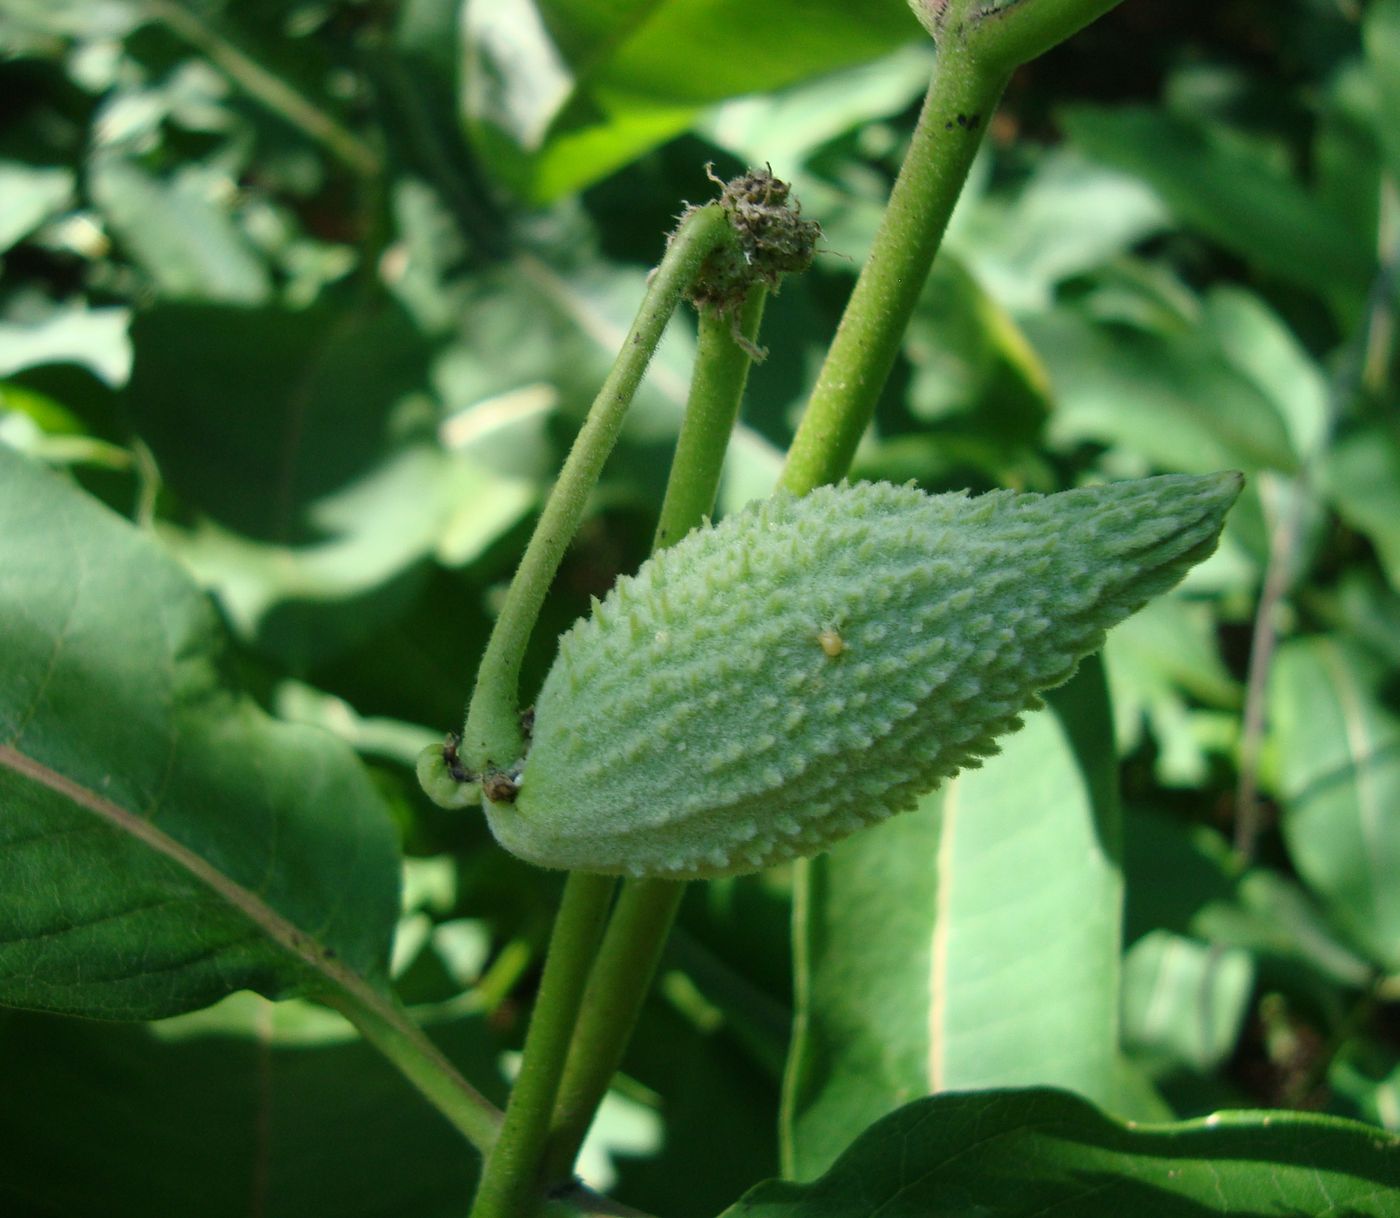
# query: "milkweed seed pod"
[[769, 685]]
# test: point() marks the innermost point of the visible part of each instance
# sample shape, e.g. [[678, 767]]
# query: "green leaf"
[[691, 1072], [316, 463], [1361, 473], [1184, 1002], [1256, 342], [1028, 1154], [1366, 1074], [163, 842], [972, 943], [1159, 655], [252, 1108], [177, 233], [1072, 217], [560, 93], [1338, 745], [29, 195], [95, 339], [1169, 397], [1227, 191]]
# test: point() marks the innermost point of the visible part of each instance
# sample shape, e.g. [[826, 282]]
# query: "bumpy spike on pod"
[[884, 569]]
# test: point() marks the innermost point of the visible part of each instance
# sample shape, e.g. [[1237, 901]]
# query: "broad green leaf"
[[560, 93], [256, 415], [1214, 184], [1032, 1153], [1338, 743], [1369, 610], [1184, 1002], [177, 233], [972, 943], [162, 841], [1170, 398], [1361, 474], [246, 1108], [43, 20]]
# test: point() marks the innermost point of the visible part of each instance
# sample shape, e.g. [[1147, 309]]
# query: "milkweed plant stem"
[[589, 996]]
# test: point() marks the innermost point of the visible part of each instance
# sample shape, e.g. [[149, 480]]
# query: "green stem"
[[492, 736], [509, 1181], [956, 110], [618, 986], [637, 933], [385, 1025], [716, 389], [266, 87], [1017, 31]]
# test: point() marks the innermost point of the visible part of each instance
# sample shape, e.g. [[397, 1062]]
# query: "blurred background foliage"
[[318, 292]]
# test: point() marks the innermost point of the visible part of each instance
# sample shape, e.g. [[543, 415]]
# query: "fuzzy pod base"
[[809, 666]]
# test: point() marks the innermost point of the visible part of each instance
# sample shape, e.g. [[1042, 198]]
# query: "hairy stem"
[[721, 372], [960, 100], [492, 736], [510, 1179]]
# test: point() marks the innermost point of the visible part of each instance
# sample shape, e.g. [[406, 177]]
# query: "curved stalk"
[[491, 737]]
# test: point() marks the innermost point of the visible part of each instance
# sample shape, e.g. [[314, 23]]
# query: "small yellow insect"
[[832, 642]]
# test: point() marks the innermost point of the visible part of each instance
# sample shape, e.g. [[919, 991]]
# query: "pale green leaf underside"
[[972, 943], [162, 841], [1037, 1153]]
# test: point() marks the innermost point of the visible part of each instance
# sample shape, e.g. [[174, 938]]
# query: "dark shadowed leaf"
[[248, 1108], [1028, 1154]]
